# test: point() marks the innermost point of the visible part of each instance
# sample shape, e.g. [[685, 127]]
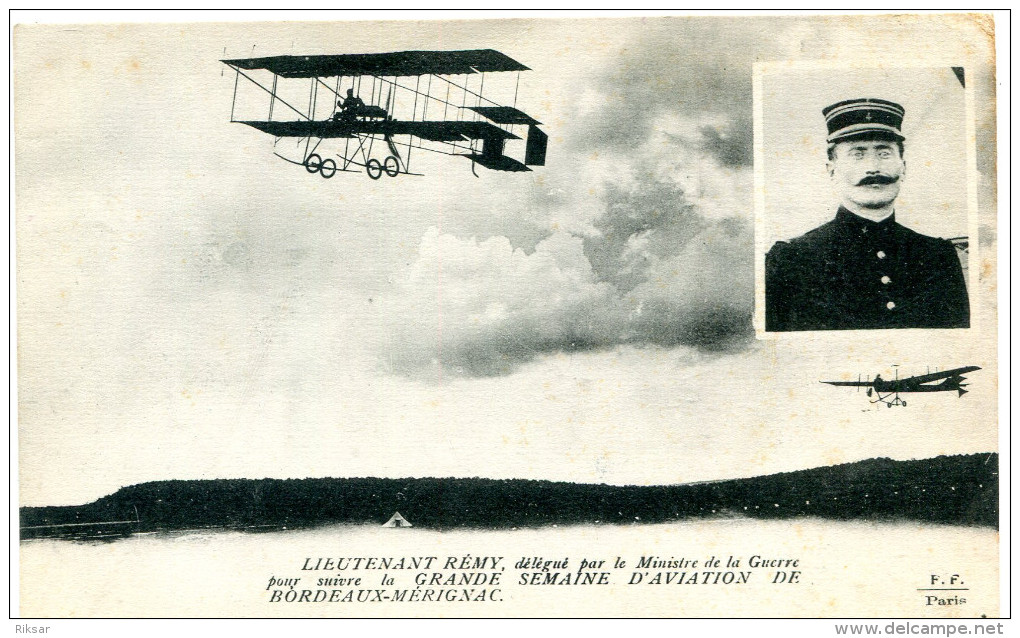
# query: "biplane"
[[384, 105], [881, 389]]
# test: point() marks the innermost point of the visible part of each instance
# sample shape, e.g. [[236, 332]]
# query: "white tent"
[[397, 521]]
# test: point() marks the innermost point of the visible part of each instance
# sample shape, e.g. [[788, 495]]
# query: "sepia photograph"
[[891, 248]]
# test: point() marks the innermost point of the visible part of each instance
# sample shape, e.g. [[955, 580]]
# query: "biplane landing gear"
[[374, 169], [392, 166], [325, 167]]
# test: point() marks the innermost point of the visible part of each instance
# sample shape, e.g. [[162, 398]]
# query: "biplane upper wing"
[[403, 63], [435, 131], [935, 376]]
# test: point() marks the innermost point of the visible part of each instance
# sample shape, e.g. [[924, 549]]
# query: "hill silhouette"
[[960, 490]]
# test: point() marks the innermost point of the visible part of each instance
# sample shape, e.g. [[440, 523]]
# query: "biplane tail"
[[534, 151], [492, 156]]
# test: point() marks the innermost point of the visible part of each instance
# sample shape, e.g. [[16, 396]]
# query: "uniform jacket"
[[853, 273]]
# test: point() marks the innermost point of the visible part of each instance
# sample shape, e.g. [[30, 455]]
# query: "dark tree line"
[[949, 489]]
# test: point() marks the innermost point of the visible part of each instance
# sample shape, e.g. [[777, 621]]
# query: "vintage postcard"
[[657, 316]]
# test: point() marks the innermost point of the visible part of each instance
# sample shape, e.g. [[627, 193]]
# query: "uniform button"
[[885, 279], [880, 254], [891, 305]]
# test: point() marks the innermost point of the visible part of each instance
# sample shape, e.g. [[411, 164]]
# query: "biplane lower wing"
[[436, 131], [498, 162]]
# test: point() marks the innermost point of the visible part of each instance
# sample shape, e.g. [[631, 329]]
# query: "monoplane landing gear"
[[896, 400], [374, 169]]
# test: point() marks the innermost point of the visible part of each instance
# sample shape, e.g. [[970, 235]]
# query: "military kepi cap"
[[864, 117]]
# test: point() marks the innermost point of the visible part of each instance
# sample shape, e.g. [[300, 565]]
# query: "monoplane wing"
[[935, 376], [858, 384], [429, 130], [403, 63]]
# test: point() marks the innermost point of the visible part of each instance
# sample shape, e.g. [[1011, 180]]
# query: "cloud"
[[702, 296], [653, 80], [640, 225], [653, 272], [482, 308]]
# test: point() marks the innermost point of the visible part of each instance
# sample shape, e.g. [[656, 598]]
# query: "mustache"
[[878, 179]]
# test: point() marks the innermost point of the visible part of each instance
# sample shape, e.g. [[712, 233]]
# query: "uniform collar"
[[857, 225]]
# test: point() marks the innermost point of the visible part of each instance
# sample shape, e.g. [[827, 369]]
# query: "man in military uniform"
[[863, 270]]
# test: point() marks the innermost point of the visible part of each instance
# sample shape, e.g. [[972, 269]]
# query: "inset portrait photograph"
[[863, 206]]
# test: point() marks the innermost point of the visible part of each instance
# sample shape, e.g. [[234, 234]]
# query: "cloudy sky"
[[190, 306]]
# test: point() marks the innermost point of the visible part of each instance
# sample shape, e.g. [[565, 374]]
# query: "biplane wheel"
[[392, 166], [904, 404], [374, 169], [328, 168], [313, 163]]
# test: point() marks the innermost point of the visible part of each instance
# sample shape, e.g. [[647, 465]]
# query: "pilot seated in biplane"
[[350, 107]]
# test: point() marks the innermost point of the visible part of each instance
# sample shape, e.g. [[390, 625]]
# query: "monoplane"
[[383, 106], [881, 389]]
